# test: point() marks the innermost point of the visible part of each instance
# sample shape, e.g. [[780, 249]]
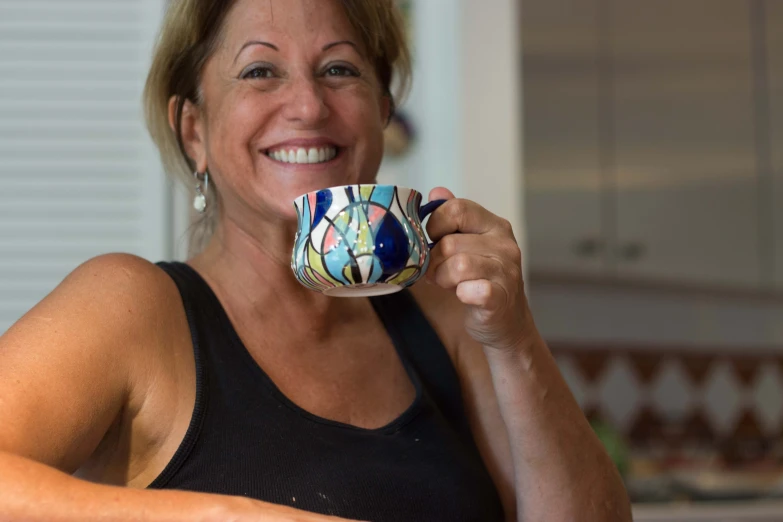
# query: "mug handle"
[[428, 209]]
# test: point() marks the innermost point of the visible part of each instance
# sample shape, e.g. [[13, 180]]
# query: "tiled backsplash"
[[670, 397]]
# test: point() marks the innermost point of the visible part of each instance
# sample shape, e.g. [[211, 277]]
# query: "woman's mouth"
[[303, 155]]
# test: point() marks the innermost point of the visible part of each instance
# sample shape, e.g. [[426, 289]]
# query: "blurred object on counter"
[[614, 443]]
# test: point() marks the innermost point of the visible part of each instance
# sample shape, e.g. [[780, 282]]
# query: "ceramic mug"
[[361, 240]]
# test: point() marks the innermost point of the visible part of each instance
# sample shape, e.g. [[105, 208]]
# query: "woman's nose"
[[305, 105]]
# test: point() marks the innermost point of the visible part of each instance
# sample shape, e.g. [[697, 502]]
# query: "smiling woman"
[[192, 33], [223, 389]]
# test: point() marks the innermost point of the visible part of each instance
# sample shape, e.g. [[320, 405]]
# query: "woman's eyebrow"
[[274, 47], [254, 42], [341, 42]]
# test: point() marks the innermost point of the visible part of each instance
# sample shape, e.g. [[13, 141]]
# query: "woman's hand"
[[477, 254]]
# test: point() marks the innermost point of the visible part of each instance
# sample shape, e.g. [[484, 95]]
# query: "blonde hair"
[[189, 34]]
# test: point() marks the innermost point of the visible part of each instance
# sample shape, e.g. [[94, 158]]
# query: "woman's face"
[[291, 104]]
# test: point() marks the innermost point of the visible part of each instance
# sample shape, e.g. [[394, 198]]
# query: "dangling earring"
[[200, 201]]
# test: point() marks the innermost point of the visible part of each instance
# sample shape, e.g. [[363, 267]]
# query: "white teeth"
[[302, 155]]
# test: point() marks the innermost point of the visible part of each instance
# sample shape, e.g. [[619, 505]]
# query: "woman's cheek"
[[238, 124]]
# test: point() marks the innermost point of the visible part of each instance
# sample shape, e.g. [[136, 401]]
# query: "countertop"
[[744, 511]]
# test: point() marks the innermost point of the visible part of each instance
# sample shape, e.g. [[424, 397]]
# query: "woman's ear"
[[192, 128], [387, 106]]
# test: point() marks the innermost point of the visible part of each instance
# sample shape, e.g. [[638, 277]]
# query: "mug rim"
[[338, 187]]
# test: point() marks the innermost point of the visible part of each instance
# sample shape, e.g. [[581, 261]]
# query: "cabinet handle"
[[633, 251], [589, 247]]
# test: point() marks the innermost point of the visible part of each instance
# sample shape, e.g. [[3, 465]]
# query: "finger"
[[488, 295], [504, 250], [466, 267], [453, 244], [461, 215], [441, 193]]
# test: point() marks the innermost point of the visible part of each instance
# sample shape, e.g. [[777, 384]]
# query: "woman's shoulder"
[[94, 343], [121, 296], [127, 289], [124, 272]]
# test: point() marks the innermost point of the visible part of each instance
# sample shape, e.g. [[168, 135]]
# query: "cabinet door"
[[687, 200], [562, 168], [774, 17]]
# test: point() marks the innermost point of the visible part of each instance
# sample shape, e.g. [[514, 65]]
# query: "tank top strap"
[[423, 351], [190, 290]]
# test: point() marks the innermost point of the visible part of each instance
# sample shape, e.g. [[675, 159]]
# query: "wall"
[[584, 312], [465, 105]]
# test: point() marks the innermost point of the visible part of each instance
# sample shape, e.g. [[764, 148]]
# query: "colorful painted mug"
[[361, 240]]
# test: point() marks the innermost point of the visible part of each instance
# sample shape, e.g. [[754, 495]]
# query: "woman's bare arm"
[[67, 370], [33, 492], [510, 379], [545, 459], [67, 366]]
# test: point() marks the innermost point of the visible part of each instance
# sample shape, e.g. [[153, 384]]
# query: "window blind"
[[79, 175]]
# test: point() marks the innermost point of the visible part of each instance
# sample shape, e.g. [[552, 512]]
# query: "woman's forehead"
[[314, 22]]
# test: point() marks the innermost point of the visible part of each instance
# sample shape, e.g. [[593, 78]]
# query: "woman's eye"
[[258, 72], [340, 70]]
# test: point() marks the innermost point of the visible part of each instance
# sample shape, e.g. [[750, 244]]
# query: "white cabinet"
[[642, 148], [774, 33], [684, 134], [563, 181]]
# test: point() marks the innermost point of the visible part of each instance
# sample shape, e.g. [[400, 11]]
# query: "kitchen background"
[[654, 213], [636, 146]]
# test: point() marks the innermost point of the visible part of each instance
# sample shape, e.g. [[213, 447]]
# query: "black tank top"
[[246, 438]]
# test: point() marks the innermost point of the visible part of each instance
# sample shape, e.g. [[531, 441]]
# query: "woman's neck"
[[251, 274]]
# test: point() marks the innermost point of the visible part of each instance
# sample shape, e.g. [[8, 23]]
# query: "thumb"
[[441, 193]]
